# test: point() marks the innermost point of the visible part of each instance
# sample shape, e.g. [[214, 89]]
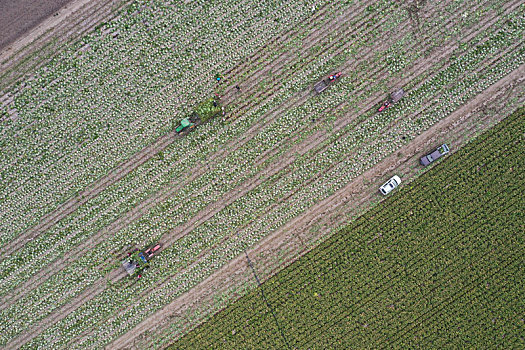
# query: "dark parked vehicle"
[[439, 152]]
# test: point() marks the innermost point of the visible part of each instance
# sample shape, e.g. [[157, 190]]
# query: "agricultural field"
[[438, 265], [91, 166]]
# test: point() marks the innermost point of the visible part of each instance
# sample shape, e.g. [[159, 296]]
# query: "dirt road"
[[18, 17], [297, 237], [29, 27]]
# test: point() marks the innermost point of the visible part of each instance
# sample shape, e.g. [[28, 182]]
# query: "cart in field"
[[393, 99], [323, 84]]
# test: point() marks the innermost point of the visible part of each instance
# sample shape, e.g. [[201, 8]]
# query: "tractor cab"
[[334, 76], [184, 124]]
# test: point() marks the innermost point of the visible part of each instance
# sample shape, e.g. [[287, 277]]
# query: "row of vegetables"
[[364, 137], [84, 115]]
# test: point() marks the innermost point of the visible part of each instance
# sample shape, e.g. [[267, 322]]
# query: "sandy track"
[[460, 111], [456, 125], [118, 173], [447, 119], [75, 18]]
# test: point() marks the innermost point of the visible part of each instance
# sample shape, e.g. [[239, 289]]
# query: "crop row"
[[82, 112], [45, 240], [212, 260], [414, 267], [124, 189]]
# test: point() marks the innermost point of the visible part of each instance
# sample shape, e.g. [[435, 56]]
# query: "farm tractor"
[[137, 261], [185, 125], [393, 99], [323, 84], [205, 111]]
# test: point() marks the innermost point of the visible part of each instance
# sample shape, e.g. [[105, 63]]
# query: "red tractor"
[[335, 76], [150, 251], [394, 98], [323, 84]]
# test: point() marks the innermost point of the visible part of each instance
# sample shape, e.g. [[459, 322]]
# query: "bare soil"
[[44, 28], [17, 17]]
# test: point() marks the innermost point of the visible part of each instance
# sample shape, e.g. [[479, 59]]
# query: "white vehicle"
[[390, 185]]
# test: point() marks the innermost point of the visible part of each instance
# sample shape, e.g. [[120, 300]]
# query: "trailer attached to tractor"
[[323, 84], [203, 112], [138, 261]]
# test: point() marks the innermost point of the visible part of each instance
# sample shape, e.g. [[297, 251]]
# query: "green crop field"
[[91, 166], [438, 265]]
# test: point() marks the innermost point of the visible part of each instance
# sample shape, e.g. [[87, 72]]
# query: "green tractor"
[[204, 111], [185, 123], [138, 262]]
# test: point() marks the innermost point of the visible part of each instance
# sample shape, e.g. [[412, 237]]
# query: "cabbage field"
[[91, 167]]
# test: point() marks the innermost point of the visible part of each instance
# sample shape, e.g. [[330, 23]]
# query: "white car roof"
[[396, 178]]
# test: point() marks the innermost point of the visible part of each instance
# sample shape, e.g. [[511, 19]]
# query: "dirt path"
[[292, 239], [26, 44], [118, 173], [192, 223], [114, 176], [17, 17], [71, 205], [93, 190]]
